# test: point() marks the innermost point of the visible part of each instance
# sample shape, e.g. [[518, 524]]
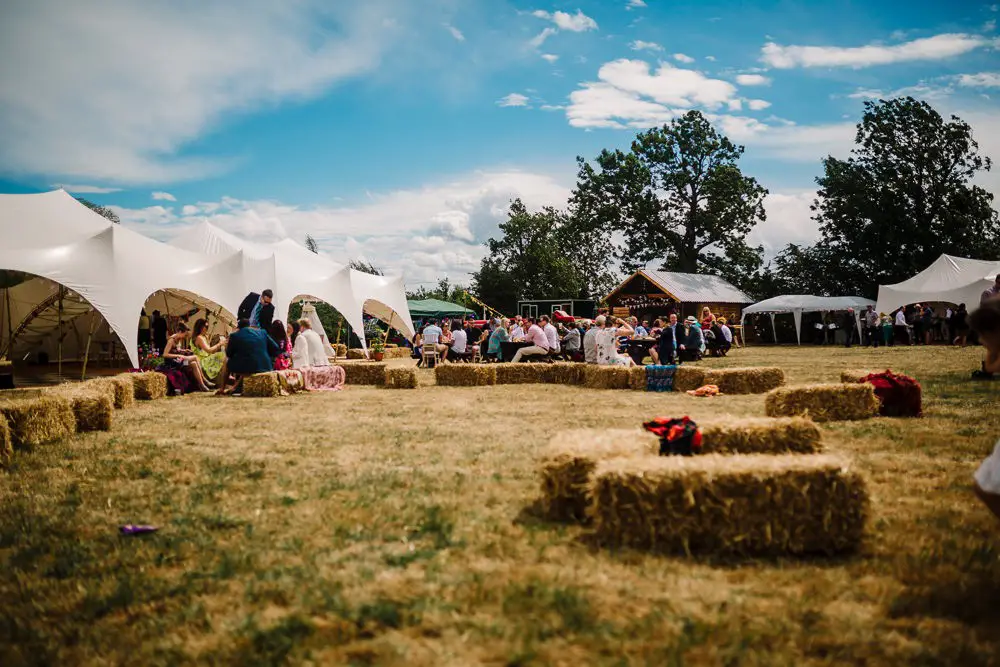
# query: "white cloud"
[[635, 4], [163, 196], [681, 58], [752, 80], [710, 58], [423, 233], [513, 100], [171, 72], [550, 57], [929, 48], [758, 105], [617, 99], [86, 189], [540, 38], [455, 32], [789, 220], [866, 94], [805, 143], [981, 80], [639, 45], [990, 25], [578, 22]]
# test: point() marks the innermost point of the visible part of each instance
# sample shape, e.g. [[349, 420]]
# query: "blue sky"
[[398, 130]]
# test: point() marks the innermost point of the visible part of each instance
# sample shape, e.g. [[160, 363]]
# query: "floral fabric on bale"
[[323, 378]]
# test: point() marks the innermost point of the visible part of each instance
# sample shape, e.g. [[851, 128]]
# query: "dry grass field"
[[378, 526]]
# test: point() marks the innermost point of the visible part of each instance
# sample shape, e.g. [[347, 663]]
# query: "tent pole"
[[86, 352], [773, 330], [59, 366]]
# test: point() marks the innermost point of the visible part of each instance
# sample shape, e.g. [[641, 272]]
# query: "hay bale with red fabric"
[[898, 395], [744, 505]]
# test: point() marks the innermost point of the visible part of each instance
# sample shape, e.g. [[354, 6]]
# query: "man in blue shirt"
[[248, 351]]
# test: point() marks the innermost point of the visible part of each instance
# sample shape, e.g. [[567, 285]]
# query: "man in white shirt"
[[539, 343], [640, 330], [902, 334], [312, 347], [432, 336], [517, 331], [551, 335], [459, 343]]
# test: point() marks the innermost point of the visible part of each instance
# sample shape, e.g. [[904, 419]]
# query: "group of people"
[[260, 344], [602, 341]]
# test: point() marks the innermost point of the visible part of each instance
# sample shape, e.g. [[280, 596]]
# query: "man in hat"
[[692, 340]]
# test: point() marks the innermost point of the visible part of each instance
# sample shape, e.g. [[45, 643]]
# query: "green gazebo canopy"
[[436, 308]]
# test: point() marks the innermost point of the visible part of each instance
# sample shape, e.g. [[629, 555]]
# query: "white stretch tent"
[[796, 304], [115, 269], [948, 280]]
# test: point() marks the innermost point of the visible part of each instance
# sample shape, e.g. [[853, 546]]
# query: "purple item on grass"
[[129, 529]]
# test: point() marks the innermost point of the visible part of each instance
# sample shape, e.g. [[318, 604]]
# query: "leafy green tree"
[[444, 291], [529, 261], [311, 244], [365, 267], [100, 210], [903, 197], [795, 270], [677, 197]]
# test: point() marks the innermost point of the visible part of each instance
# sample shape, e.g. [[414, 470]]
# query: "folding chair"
[[429, 355]]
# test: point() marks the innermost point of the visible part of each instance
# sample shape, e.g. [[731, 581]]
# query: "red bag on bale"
[[898, 395]]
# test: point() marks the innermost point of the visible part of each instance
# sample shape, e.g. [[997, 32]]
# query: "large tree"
[[677, 197], [100, 210], [902, 198], [530, 260]]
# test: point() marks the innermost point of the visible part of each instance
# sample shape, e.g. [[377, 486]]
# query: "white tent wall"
[[797, 304], [948, 280]]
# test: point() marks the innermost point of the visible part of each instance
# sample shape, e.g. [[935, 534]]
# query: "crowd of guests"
[[260, 344], [605, 340]]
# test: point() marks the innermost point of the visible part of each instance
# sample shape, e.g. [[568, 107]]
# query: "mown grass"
[[388, 527]]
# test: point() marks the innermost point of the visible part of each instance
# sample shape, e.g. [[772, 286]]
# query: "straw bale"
[[149, 386], [6, 445], [14, 394], [689, 377], [124, 391], [93, 404], [730, 505], [262, 385], [34, 421], [637, 378], [569, 459], [401, 378], [102, 385], [356, 353], [563, 372], [761, 435], [340, 349], [608, 377], [365, 372], [523, 373], [465, 375], [397, 353], [823, 402], [854, 375], [745, 380]]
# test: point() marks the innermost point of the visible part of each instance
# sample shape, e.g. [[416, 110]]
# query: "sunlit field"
[[374, 526]]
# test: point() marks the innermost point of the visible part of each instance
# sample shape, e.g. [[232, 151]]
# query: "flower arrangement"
[[149, 357]]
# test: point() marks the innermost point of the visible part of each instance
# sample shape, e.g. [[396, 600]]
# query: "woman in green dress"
[[211, 357]]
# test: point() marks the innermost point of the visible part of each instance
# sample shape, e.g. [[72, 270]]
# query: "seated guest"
[[590, 340], [607, 343], [248, 351], [657, 328], [447, 338], [280, 335], [641, 330], [210, 357], [726, 335], [432, 336], [308, 356], [571, 344], [499, 335], [707, 319], [517, 331], [691, 339], [177, 358], [539, 343], [459, 342], [418, 344], [551, 335], [665, 350]]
